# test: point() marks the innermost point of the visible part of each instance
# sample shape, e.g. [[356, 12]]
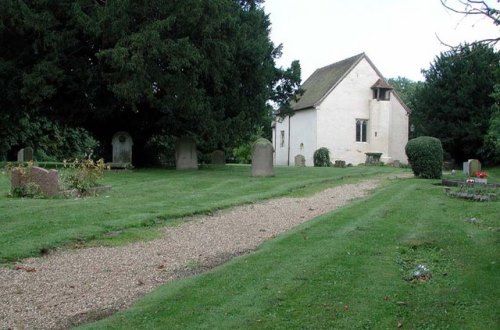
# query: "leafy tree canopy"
[[406, 89], [154, 68], [455, 103]]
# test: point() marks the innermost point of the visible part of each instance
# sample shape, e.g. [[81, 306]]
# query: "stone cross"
[[262, 158]]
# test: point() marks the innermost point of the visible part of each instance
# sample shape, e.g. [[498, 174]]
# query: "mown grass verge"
[[142, 200], [350, 269]]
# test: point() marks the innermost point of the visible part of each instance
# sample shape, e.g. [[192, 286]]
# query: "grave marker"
[[37, 179], [262, 158], [300, 160], [122, 150], [186, 157], [218, 157]]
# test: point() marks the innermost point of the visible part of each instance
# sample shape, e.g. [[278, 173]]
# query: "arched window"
[[361, 130]]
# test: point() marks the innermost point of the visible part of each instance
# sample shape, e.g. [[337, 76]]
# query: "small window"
[[282, 139], [361, 128], [382, 94]]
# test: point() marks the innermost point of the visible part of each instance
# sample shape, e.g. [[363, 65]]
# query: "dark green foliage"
[[173, 68], [288, 88], [406, 89], [425, 155], [322, 157], [455, 103], [491, 146]]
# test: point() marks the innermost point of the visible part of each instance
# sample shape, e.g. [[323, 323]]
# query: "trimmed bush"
[[425, 155], [322, 157]]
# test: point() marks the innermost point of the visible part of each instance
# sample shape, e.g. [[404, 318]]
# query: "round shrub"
[[425, 155], [322, 157]]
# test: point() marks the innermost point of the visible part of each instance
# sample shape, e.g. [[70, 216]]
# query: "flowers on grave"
[[481, 175]]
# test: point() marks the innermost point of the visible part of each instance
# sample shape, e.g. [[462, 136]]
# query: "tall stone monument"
[[262, 158]]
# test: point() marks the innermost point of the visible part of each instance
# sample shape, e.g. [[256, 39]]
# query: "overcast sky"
[[399, 36]]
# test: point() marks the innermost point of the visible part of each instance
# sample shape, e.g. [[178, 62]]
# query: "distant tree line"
[[73, 72]]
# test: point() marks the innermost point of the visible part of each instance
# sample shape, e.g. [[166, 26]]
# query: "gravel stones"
[[70, 287]]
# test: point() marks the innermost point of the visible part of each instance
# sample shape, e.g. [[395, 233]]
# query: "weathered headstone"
[[122, 150], [300, 160], [20, 155], [474, 166], [218, 157], [339, 163], [25, 155], [466, 168], [262, 158], [38, 180], [186, 157], [28, 154]]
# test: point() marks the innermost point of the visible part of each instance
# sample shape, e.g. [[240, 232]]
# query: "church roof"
[[323, 80]]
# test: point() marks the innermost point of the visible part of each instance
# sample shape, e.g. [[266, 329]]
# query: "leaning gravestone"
[[218, 157], [122, 150], [37, 179], [262, 158], [300, 161], [25, 155], [474, 166], [186, 157]]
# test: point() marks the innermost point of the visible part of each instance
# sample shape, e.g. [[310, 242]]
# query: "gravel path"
[[66, 288]]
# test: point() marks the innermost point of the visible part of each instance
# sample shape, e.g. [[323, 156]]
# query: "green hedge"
[[425, 155], [322, 157]]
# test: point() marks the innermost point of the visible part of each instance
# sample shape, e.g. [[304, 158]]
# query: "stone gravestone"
[[339, 163], [466, 168], [218, 157], [25, 155], [474, 166], [37, 179], [20, 155], [122, 150], [262, 158], [300, 161], [186, 157]]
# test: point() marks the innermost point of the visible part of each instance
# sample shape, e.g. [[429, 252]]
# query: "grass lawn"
[[142, 200], [350, 269]]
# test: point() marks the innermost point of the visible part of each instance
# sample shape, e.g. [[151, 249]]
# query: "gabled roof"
[[317, 87], [323, 80], [381, 83]]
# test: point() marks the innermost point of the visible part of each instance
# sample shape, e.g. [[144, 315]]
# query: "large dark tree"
[[455, 103], [157, 69]]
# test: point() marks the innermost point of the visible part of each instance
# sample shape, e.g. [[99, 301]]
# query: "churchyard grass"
[[143, 200], [406, 257]]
